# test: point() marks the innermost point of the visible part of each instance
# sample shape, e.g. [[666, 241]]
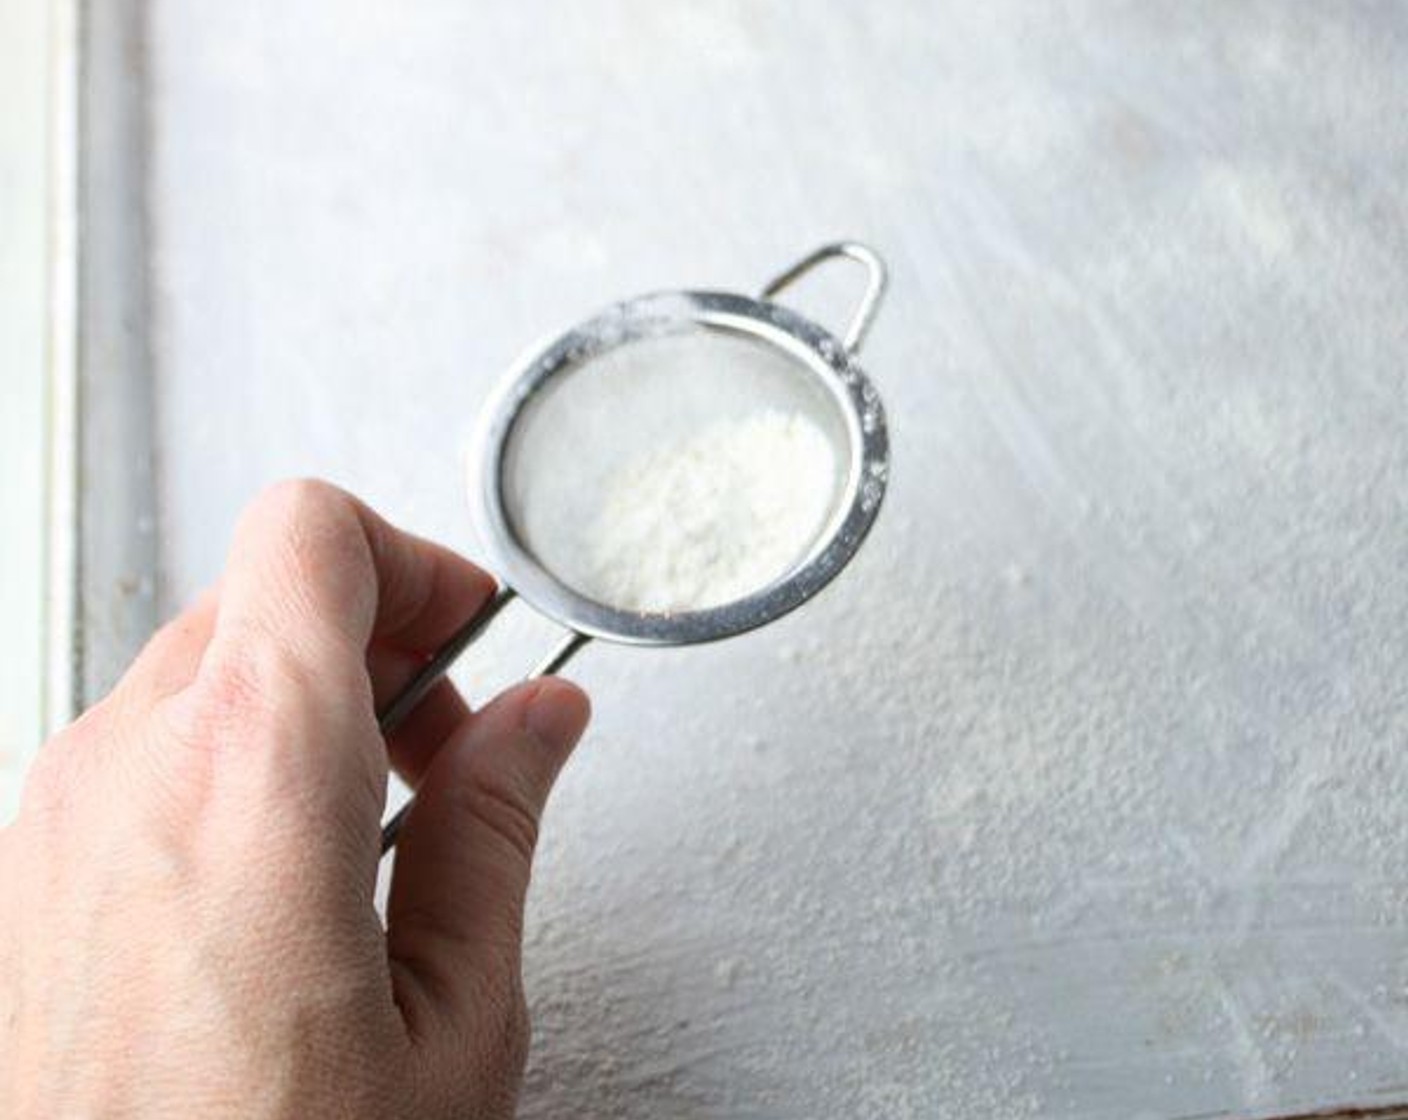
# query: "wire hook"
[[876, 284]]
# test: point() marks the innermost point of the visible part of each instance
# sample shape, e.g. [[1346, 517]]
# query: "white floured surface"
[[1081, 794]]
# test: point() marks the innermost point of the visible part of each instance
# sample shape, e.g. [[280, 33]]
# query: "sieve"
[[825, 363]]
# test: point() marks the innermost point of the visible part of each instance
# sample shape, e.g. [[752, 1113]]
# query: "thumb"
[[455, 914]]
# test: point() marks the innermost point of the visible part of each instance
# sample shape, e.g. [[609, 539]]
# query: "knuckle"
[[296, 499], [54, 778], [260, 725], [312, 516], [235, 693], [503, 809], [319, 540], [243, 697], [64, 765]]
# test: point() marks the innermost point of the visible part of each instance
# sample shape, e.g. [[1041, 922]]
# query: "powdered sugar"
[[675, 473], [712, 518]]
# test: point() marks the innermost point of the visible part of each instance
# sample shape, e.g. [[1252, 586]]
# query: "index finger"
[[317, 571]]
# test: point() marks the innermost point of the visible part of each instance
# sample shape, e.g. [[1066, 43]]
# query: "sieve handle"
[[878, 280], [414, 690]]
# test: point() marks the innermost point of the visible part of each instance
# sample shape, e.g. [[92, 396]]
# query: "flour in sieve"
[[711, 518]]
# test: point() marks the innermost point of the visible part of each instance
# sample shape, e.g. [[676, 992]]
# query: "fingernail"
[[557, 715]]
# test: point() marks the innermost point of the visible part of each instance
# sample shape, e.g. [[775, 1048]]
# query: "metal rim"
[[656, 315]]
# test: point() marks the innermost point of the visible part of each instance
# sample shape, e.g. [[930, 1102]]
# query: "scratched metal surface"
[[1082, 794]]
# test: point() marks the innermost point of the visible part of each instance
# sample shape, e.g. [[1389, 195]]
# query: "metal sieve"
[[829, 365]]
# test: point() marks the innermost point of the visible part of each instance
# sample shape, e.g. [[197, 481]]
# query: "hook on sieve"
[[874, 287]]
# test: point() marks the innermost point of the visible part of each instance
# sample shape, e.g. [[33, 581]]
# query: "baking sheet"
[[1081, 794]]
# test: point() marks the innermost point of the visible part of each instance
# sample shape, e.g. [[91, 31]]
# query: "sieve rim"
[[660, 314]]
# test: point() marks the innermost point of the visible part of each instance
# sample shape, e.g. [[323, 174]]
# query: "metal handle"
[[414, 690], [879, 278]]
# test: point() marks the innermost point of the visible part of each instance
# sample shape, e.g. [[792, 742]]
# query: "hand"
[[187, 925]]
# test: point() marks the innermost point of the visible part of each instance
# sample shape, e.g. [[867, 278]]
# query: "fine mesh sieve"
[[683, 467]]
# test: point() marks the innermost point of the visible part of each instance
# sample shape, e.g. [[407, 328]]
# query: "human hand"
[[187, 925]]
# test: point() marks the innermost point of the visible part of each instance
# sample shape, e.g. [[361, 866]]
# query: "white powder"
[[711, 518], [677, 472]]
